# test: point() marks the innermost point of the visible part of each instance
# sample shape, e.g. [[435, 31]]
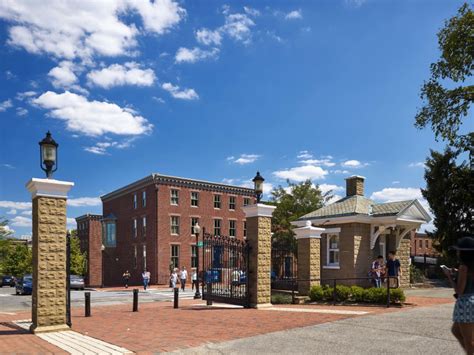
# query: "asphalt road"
[[11, 303], [417, 331]]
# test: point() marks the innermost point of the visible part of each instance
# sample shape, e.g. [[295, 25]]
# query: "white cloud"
[[71, 223], [100, 148], [302, 173], [390, 194], [353, 164], [92, 118], [329, 187], [119, 75], [5, 105], [8, 166], [15, 205], [304, 154], [63, 75], [345, 172], [252, 12], [25, 95], [21, 111], [419, 164], [70, 29], [27, 213], [158, 99], [20, 221], [238, 27], [208, 37], [395, 182], [355, 3], [12, 212], [244, 159], [333, 199], [9, 75], [177, 93], [294, 15], [325, 162], [185, 55], [84, 201], [8, 229]]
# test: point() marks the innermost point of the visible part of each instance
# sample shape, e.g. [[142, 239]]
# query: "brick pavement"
[[157, 327]]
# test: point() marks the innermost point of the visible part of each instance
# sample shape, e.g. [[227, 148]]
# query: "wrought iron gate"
[[284, 268], [225, 270]]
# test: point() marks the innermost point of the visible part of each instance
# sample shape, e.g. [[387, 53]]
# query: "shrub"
[[316, 293], [328, 293], [343, 293], [280, 298], [416, 275], [397, 295], [357, 294]]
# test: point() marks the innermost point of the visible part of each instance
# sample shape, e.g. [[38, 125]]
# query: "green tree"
[[447, 97], [5, 244], [18, 260], [78, 258], [291, 203], [5, 232], [450, 193]]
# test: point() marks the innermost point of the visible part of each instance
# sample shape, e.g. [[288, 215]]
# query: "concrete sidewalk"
[[416, 331]]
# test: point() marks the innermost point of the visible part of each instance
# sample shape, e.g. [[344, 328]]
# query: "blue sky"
[[216, 91]]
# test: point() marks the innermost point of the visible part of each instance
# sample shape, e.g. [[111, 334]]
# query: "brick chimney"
[[355, 185]]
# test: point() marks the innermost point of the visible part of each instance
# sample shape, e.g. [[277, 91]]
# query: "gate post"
[[309, 257], [49, 254], [259, 237]]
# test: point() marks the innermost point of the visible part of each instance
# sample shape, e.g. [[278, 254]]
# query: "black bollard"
[[176, 297], [135, 299], [88, 303]]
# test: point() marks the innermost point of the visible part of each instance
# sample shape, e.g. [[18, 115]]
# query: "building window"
[[144, 198], [217, 201], [144, 257], [135, 257], [233, 258], [246, 201], [232, 231], [175, 256], [231, 202], [217, 227], [194, 220], [174, 197], [333, 250], [420, 243], [110, 237], [144, 226], [426, 244], [194, 252], [135, 227], [194, 198], [135, 203], [175, 225], [245, 229]]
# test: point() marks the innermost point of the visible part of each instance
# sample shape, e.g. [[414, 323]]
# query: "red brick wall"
[[158, 237], [419, 250], [89, 232]]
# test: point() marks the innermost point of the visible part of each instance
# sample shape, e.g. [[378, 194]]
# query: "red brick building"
[[421, 244], [89, 231], [148, 224]]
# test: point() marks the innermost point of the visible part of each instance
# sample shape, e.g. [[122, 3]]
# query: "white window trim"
[[171, 197], [328, 264], [171, 224]]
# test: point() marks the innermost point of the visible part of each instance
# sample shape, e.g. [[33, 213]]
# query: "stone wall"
[[403, 254], [259, 239], [309, 260], [49, 264]]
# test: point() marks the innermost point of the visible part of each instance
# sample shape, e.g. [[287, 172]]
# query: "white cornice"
[[48, 188], [258, 210], [308, 231]]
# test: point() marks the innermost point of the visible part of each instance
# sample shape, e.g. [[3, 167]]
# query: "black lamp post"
[[48, 155], [258, 186], [197, 230], [102, 249]]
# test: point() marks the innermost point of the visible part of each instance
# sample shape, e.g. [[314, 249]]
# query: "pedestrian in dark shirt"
[[393, 270], [126, 276]]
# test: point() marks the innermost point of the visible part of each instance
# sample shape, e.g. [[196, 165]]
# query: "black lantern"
[[48, 155], [258, 186]]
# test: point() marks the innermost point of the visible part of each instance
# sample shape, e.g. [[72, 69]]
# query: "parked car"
[[7, 281], [77, 282], [24, 285]]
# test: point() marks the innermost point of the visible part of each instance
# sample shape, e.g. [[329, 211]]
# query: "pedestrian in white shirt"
[[183, 276], [174, 278], [194, 278]]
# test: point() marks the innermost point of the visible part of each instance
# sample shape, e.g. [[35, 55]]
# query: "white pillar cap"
[[48, 188], [309, 231], [258, 210]]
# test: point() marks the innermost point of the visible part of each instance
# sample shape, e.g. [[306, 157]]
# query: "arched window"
[[333, 250]]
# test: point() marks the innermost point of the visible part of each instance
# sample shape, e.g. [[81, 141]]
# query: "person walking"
[[462, 280], [126, 276], [376, 271], [194, 280], [146, 278], [183, 276], [394, 271], [174, 278]]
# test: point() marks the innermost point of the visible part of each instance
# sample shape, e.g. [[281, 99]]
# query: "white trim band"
[[258, 210]]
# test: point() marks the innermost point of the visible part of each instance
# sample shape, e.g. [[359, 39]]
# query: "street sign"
[[200, 244]]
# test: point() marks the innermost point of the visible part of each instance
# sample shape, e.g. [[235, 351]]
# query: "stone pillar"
[[403, 254], [309, 257], [259, 237], [49, 254]]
